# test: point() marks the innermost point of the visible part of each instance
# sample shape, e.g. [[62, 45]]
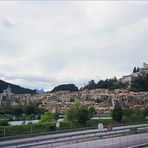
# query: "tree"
[[140, 83], [134, 70], [91, 84], [110, 84], [133, 115], [17, 110], [29, 109], [117, 113], [71, 113], [48, 117], [127, 112], [92, 112], [138, 69], [4, 123], [145, 112], [78, 113], [65, 87], [83, 115]]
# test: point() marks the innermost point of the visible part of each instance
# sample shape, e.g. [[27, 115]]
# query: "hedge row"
[[46, 127], [26, 129], [105, 122]]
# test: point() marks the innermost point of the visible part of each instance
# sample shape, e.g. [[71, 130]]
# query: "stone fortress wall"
[[142, 71]]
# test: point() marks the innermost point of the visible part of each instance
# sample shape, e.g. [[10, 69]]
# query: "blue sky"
[[43, 44]]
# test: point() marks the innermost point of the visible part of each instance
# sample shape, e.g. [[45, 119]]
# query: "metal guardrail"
[[43, 133], [59, 138]]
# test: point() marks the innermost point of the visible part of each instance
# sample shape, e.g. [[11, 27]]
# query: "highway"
[[82, 139], [131, 141]]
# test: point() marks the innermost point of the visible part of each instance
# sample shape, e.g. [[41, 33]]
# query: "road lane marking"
[[110, 143], [135, 146]]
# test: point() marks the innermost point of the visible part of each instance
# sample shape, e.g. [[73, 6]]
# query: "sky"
[[47, 43]]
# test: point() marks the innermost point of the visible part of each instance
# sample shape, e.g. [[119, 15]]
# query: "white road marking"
[[110, 143], [138, 145]]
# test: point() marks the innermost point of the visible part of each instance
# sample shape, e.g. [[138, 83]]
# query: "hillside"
[[15, 88], [65, 87]]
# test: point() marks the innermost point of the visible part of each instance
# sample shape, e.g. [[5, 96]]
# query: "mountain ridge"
[[16, 89]]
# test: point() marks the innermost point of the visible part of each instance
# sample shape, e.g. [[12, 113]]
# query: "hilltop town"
[[103, 100]]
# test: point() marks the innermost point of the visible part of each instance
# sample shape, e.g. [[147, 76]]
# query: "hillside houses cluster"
[[103, 100]]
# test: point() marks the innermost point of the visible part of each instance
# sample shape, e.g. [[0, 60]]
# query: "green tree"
[[138, 69], [65, 87], [78, 113], [48, 117], [4, 123], [137, 115], [92, 112], [127, 112], [117, 113], [83, 115], [71, 113], [17, 110], [133, 115], [134, 70], [140, 83], [145, 112]]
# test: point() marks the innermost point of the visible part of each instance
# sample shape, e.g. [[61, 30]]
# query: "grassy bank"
[[47, 128]]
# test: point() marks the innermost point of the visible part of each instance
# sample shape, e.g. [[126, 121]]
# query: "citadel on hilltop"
[[136, 73]]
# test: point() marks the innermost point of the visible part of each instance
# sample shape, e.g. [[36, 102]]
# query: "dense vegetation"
[[111, 84], [134, 115], [117, 113], [65, 87], [129, 115], [47, 127], [48, 121], [49, 117], [15, 88], [140, 83], [22, 112], [79, 113], [77, 116]]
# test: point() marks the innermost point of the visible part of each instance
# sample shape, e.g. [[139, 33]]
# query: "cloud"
[[43, 44], [5, 23]]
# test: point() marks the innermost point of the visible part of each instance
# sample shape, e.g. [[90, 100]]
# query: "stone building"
[[8, 98], [142, 71], [5, 97]]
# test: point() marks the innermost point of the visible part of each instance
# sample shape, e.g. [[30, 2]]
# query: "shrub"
[[4, 123], [95, 122], [27, 129], [65, 125]]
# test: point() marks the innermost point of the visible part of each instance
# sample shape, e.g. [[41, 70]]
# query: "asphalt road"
[[118, 142]]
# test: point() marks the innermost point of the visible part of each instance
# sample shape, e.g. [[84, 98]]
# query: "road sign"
[[100, 126], [57, 124], [109, 128]]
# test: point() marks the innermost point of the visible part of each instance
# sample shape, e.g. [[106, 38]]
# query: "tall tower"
[[9, 93]]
